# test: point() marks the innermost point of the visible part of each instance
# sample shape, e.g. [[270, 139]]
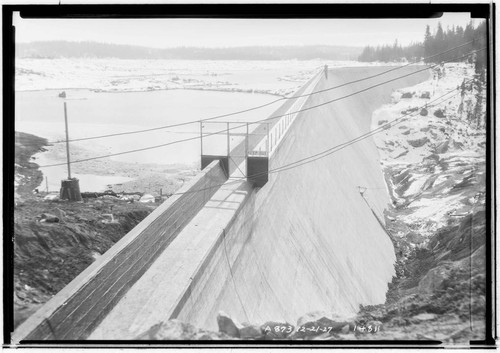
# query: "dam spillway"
[[305, 241]]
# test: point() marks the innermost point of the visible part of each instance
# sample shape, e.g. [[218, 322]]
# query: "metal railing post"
[[228, 142], [246, 154], [246, 143], [267, 140], [201, 137]]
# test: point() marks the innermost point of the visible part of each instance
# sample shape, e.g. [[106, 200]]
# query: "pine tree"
[[428, 43], [436, 43], [439, 43]]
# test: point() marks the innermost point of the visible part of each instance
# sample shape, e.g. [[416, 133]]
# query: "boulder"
[[177, 330], [424, 112], [424, 317], [434, 279], [61, 214], [51, 197], [415, 238], [418, 140], [409, 111], [108, 218], [251, 332], [336, 324], [442, 147], [439, 113], [311, 326], [227, 325], [310, 317], [430, 160], [49, 218], [147, 198]]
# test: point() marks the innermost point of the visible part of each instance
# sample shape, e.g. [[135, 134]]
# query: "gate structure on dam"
[[244, 148], [240, 238]]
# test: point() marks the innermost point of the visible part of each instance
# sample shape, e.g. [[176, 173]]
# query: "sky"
[[166, 33]]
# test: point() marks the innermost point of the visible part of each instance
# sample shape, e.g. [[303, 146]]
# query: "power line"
[[267, 104], [329, 151], [370, 87], [310, 158], [349, 143], [178, 124], [333, 149], [385, 72], [136, 150], [259, 121]]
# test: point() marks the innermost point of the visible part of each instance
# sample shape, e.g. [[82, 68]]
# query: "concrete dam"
[[303, 240]]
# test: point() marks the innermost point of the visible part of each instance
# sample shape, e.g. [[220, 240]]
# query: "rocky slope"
[[435, 168]]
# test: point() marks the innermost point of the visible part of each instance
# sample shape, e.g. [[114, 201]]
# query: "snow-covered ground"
[[118, 75], [434, 163], [106, 96]]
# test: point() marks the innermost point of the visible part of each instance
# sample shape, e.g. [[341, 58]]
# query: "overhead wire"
[[266, 104], [258, 121], [336, 148], [357, 139]]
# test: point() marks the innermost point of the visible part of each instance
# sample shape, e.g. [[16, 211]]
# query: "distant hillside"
[[57, 49]]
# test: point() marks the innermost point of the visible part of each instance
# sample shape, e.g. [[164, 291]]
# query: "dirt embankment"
[[27, 174], [54, 241]]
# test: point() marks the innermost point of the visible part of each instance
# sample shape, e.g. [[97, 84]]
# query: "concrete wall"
[[307, 241], [75, 311], [178, 280], [178, 272]]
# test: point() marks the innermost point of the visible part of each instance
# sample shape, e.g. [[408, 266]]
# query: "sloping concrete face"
[[307, 240]]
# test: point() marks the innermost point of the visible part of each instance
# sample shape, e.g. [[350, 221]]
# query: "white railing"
[[278, 131]]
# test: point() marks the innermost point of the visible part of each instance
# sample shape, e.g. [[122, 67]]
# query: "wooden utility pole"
[[70, 188], [67, 140]]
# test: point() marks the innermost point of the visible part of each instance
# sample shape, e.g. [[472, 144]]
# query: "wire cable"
[[266, 104], [259, 121], [327, 152], [333, 149], [346, 144]]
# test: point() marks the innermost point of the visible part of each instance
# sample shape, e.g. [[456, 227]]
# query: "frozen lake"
[[94, 114]]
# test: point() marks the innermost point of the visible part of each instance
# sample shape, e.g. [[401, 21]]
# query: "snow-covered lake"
[[275, 77], [108, 96], [95, 114]]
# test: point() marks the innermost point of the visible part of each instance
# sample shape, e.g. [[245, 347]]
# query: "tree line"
[[65, 49], [433, 44]]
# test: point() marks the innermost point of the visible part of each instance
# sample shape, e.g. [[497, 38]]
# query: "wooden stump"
[[70, 190]]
